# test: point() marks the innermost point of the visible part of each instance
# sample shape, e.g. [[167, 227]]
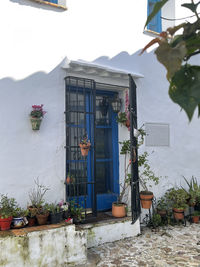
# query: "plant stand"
[[148, 217]]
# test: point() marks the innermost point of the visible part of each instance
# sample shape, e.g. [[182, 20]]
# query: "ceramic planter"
[[118, 210], [195, 219], [35, 122], [56, 217], [178, 213], [19, 222], [146, 198], [5, 223], [85, 149], [42, 218], [31, 221]]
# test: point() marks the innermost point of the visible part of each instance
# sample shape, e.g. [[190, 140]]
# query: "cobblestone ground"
[[172, 246]]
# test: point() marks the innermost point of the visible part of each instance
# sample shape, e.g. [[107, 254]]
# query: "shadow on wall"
[[130, 63], [37, 5]]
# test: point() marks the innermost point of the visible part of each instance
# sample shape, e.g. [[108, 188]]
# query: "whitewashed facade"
[[37, 43]]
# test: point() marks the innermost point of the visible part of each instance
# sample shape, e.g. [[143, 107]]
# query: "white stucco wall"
[[38, 248], [34, 40]]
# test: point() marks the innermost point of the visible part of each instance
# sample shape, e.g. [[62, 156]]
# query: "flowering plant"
[[63, 205], [124, 117], [37, 111], [84, 140]]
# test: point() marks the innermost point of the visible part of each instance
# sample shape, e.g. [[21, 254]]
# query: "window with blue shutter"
[[155, 23], [52, 1]]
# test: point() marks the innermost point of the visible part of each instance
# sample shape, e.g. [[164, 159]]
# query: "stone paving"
[[171, 246]]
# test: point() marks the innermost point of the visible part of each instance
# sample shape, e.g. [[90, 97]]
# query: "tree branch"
[[192, 54]]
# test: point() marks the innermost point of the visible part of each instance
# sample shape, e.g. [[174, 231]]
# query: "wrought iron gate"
[[81, 121], [135, 199], [79, 118]]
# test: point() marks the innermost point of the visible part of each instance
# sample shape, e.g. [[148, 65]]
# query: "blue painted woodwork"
[[52, 1], [108, 165], [155, 24]]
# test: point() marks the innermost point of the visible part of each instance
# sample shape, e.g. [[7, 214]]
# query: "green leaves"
[[156, 8], [184, 88], [192, 6], [171, 57]]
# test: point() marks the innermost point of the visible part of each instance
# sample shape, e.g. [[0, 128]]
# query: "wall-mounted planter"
[[85, 149], [35, 122]]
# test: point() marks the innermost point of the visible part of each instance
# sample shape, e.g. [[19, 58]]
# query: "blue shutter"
[[52, 1], [155, 23]]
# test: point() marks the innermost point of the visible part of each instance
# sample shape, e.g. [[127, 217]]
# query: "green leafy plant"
[[146, 174], [76, 211], [122, 117], [177, 198], [162, 203], [193, 190], [196, 213], [7, 206], [156, 220], [174, 51], [54, 208], [19, 212]]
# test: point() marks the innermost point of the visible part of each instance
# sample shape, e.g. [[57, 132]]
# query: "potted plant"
[[85, 146], [55, 213], [19, 218], [42, 214], [146, 178], [37, 207], [7, 208], [36, 116], [31, 216], [119, 207], [178, 198], [193, 191], [162, 206], [122, 118], [76, 212], [69, 179], [65, 208], [195, 216]]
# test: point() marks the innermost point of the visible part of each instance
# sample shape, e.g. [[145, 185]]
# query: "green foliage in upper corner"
[[173, 52], [185, 89], [155, 10]]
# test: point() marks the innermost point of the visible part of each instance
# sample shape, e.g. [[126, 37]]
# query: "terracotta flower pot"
[[5, 223], [42, 218], [68, 180], [195, 219], [162, 213], [118, 210], [35, 122], [128, 123], [31, 221], [146, 198], [178, 213], [85, 149]]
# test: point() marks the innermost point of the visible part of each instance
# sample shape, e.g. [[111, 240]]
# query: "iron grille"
[[80, 115]]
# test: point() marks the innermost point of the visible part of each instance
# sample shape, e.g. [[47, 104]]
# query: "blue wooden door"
[[107, 170], [95, 179]]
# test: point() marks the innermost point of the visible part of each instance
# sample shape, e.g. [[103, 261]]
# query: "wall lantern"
[[116, 104], [103, 106]]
